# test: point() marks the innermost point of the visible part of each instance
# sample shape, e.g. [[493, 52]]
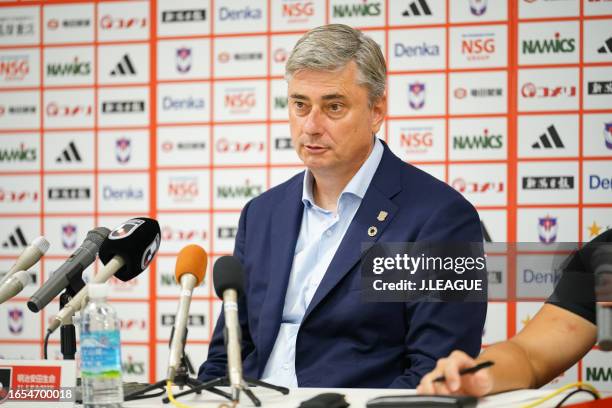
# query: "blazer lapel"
[[385, 184], [283, 237]]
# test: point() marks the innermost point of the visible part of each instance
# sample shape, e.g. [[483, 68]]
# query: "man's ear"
[[378, 111]]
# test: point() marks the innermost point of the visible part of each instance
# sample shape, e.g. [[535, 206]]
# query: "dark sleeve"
[[215, 364], [438, 328], [575, 290]]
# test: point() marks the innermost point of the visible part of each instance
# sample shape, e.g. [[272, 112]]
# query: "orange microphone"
[[190, 270]]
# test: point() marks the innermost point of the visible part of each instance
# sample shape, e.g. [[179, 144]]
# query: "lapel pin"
[[382, 216], [372, 231]]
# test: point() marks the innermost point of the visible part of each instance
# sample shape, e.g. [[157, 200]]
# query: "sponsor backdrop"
[[178, 110]]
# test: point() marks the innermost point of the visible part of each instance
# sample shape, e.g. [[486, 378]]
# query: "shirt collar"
[[359, 183]]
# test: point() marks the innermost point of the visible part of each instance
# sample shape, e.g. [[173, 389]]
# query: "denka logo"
[[297, 11], [130, 193], [548, 183], [18, 154], [555, 45], [108, 22], [236, 146], [183, 189], [422, 50], [189, 103], [123, 106], [477, 142], [478, 47], [363, 9], [177, 234], [239, 191], [54, 109], [529, 90], [75, 67], [14, 67], [246, 13], [547, 229], [463, 186], [600, 87], [597, 182], [183, 16]]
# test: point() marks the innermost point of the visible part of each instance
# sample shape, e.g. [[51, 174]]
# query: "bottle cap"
[[97, 290]]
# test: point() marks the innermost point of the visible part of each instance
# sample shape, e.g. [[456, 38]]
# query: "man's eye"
[[299, 105]]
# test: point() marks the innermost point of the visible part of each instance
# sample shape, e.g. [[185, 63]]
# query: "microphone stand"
[[67, 331], [182, 379]]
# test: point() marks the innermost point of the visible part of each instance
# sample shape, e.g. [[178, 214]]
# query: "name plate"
[[37, 383]]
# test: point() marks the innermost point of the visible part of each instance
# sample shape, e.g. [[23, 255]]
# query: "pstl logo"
[[69, 236], [416, 95], [14, 67], [55, 109], [547, 229], [478, 7], [183, 60], [363, 9], [123, 150], [554, 45], [529, 90], [471, 187], [297, 11], [224, 145], [416, 141], [108, 22], [183, 189], [478, 47], [183, 16], [608, 135]]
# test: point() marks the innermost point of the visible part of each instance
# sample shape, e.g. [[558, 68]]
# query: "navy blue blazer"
[[343, 342]]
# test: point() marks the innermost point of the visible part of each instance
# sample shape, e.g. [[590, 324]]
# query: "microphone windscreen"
[[227, 274], [136, 241], [191, 259]]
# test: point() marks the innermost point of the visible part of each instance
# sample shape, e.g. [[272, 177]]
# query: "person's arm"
[[216, 364], [549, 344], [437, 328]]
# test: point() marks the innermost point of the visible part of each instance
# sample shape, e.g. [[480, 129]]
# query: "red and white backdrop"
[[177, 110]]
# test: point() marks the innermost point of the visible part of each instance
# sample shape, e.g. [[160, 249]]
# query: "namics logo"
[[483, 141], [363, 9], [555, 45]]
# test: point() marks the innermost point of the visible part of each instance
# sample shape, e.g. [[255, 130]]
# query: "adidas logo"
[[549, 140], [413, 9], [15, 240], [70, 154], [124, 67], [606, 48]]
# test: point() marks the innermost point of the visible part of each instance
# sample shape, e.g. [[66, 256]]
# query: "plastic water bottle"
[[100, 352]]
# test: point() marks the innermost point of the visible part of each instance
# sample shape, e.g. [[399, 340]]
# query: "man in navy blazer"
[[303, 321]]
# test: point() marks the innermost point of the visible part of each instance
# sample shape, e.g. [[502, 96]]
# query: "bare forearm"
[[512, 369]]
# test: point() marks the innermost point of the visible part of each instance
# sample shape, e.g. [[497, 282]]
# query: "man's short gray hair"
[[331, 47]]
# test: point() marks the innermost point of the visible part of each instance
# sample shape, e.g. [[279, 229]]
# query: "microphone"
[[190, 270], [28, 257], [601, 263], [229, 286], [125, 253], [74, 266], [14, 285]]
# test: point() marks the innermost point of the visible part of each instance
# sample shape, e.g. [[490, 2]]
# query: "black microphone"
[[125, 253], [228, 280], [74, 266]]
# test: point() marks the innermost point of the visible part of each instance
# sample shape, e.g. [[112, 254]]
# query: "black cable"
[[130, 397], [576, 391], [46, 343]]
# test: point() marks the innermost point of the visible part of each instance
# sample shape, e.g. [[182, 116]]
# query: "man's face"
[[330, 120]]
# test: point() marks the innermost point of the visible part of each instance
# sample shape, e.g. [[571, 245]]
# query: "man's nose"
[[314, 122]]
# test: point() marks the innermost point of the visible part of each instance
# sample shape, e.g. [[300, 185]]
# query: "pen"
[[470, 370]]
